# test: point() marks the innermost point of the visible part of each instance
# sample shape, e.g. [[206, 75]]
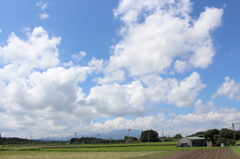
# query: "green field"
[[142, 150], [63, 155]]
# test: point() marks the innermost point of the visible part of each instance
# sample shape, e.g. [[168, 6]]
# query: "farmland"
[[140, 151], [220, 153], [72, 155]]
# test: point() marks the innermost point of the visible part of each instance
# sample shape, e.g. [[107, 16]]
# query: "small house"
[[193, 141]]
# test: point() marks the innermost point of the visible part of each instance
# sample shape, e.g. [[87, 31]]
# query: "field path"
[[220, 153]]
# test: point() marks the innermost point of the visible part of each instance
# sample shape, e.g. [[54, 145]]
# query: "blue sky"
[[97, 66]]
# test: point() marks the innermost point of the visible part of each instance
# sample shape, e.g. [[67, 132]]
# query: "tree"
[[73, 140], [226, 136], [226, 133], [149, 135], [130, 139], [210, 134], [178, 136], [237, 133], [223, 136], [200, 134]]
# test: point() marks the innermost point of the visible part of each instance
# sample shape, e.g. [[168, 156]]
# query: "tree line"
[[226, 136], [146, 136], [216, 137], [14, 140]]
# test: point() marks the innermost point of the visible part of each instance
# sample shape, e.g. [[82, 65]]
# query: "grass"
[[72, 155], [236, 149], [124, 149], [132, 151], [103, 148], [238, 143]]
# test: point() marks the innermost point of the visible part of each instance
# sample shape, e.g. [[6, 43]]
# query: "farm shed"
[[193, 141]]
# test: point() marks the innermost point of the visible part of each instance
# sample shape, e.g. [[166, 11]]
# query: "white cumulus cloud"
[[157, 38], [157, 33], [184, 124], [35, 88], [38, 51], [172, 91], [230, 89], [115, 100]]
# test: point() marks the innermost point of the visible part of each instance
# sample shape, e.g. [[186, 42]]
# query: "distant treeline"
[[16, 140], [13, 140], [146, 136], [94, 140]]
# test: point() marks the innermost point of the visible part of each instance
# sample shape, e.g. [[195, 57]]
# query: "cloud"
[[68, 64], [157, 38], [180, 66], [50, 98], [186, 92], [43, 6], [117, 100], [34, 87], [148, 122], [180, 93], [230, 89], [158, 34], [43, 15], [201, 109], [184, 124], [79, 56], [55, 89], [96, 65], [136, 98], [111, 75], [37, 51]]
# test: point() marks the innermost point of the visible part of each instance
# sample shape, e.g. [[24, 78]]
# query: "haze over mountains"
[[114, 134]]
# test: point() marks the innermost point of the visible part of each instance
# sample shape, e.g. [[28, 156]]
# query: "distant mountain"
[[114, 134], [120, 134]]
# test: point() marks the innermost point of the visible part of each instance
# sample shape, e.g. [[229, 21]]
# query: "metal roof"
[[195, 138]]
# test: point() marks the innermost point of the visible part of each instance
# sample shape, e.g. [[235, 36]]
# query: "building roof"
[[195, 138]]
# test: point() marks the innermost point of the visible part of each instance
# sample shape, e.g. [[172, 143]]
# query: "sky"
[[95, 66]]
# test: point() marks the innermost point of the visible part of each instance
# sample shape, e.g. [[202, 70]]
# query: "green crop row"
[[103, 148], [90, 145]]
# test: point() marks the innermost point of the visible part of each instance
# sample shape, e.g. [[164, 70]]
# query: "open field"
[[101, 147], [72, 155], [123, 151], [221, 153]]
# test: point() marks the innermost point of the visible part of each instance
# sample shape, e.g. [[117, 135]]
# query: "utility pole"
[[138, 139], [98, 138], [75, 138], [234, 135], [148, 138], [128, 137]]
